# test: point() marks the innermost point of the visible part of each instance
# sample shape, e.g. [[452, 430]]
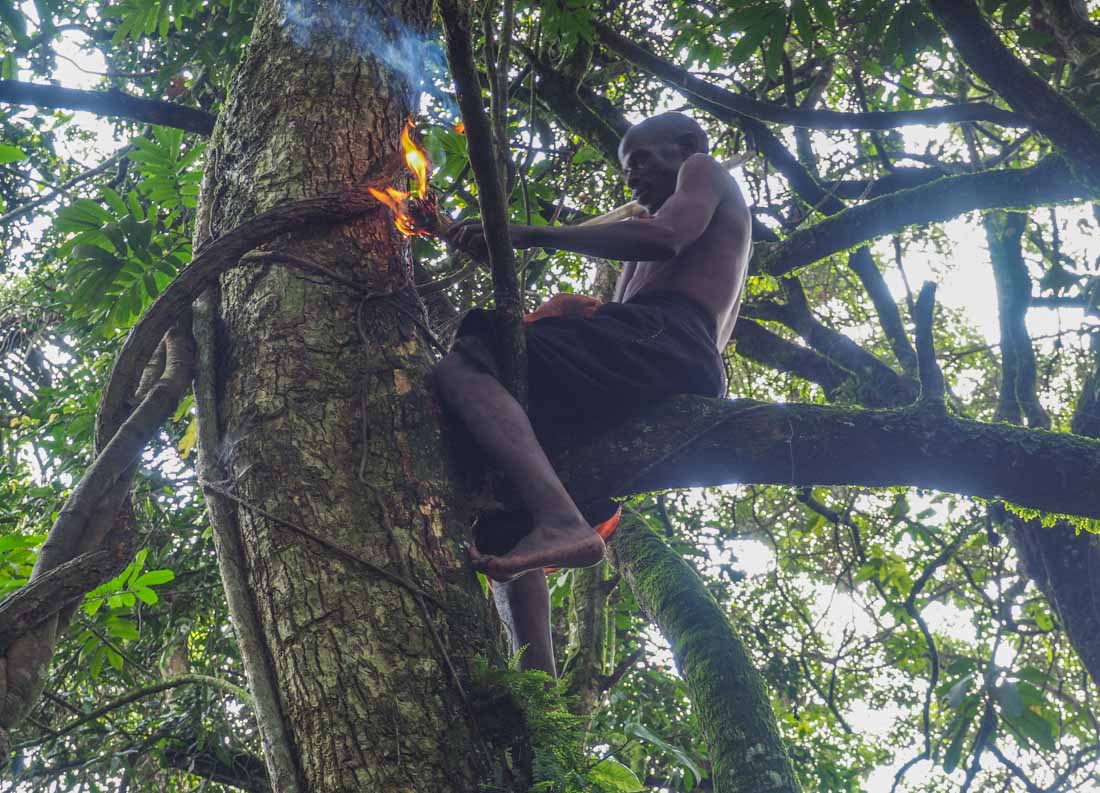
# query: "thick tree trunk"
[[325, 426]]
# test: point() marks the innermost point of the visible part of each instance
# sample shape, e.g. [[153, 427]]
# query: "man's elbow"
[[667, 249], [667, 244]]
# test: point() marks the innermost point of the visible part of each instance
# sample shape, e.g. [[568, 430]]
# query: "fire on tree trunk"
[[326, 430]]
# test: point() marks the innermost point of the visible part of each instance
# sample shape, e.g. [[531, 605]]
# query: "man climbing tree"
[[675, 306]]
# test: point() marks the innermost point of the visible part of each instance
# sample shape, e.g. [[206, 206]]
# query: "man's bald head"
[[667, 128], [652, 153]]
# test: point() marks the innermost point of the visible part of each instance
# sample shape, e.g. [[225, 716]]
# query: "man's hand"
[[469, 237], [563, 305]]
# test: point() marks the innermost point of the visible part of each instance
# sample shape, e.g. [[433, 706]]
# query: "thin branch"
[[140, 693], [490, 194], [683, 80], [23, 209], [109, 103]]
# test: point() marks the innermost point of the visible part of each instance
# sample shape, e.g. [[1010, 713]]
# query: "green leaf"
[[11, 153], [13, 18], [954, 750], [823, 13], [1012, 705], [112, 199], [154, 578], [958, 692], [585, 154], [1034, 39], [114, 659], [1033, 727], [773, 60], [146, 596], [802, 19], [682, 756], [615, 776], [1011, 10], [747, 44]]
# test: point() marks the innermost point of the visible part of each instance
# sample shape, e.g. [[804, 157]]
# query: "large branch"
[[1004, 231], [759, 344], [108, 103], [1047, 182], [691, 441], [728, 695], [878, 385], [684, 81], [1028, 94]]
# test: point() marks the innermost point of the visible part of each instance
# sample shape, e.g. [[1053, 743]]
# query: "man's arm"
[[700, 187]]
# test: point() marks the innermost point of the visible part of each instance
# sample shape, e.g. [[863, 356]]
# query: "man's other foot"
[[575, 546]]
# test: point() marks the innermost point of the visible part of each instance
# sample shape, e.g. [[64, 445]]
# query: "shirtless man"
[[674, 308]]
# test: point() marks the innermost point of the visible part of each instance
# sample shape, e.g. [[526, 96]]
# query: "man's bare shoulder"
[[703, 172], [702, 168]]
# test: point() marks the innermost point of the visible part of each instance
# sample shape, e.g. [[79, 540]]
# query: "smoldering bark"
[[326, 420]]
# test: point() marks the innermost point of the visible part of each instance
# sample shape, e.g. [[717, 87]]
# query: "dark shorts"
[[584, 369]]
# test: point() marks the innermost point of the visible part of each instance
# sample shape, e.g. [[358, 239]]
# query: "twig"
[[23, 209], [608, 682], [141, 693]]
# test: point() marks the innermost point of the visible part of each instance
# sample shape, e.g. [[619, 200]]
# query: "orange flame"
[[417, 160], [397, 200], [460, 127]]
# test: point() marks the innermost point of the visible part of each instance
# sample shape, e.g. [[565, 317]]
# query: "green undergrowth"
[[530, 709]]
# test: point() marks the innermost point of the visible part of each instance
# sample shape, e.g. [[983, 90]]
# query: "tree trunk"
[[325, 428]]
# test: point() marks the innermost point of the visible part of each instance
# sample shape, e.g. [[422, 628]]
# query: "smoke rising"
[[405, 52]]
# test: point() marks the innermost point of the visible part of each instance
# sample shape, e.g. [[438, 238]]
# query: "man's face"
[[651, 164]]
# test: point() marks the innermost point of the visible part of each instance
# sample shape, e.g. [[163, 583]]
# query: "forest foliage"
[[904, 642]]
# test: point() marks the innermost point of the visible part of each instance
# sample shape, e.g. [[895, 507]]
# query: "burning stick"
[[414, 214]]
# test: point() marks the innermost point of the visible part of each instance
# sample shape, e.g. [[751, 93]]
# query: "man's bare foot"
[[575, 546]]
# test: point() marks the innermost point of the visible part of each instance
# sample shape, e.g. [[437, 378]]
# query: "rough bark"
[[1018, 393], [329, 434], [746, 751], [586, 654]]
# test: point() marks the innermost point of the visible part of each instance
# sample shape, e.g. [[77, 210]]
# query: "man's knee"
[[450, 372]]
